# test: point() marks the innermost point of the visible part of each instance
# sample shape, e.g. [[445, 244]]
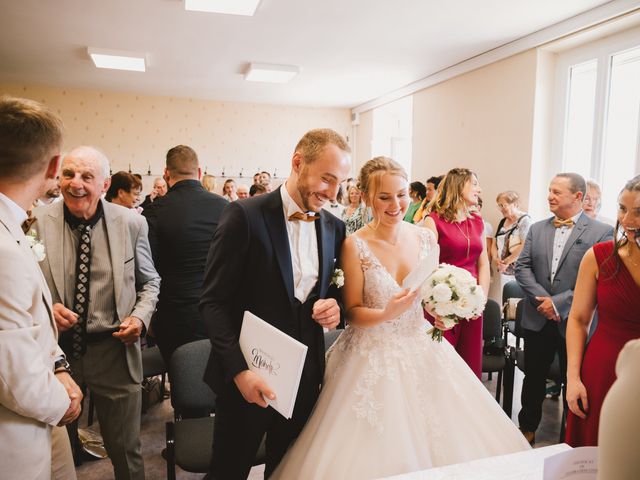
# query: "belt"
[[97, 337]]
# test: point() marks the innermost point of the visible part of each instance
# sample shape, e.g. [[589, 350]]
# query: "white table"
[[526, 465]]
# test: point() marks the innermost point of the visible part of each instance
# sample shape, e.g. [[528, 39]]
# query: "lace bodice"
[[380, 286]]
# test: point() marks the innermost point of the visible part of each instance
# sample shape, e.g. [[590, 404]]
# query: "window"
[[599, 88], [392, 131]]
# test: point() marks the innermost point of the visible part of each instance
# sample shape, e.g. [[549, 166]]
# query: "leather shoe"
[[529, 436]]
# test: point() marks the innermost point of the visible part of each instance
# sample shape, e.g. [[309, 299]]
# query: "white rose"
[[445, 309], [441, 293], [449, 322], [38, 251]]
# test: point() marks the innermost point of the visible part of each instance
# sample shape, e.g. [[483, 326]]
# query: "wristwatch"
[[62, 366]]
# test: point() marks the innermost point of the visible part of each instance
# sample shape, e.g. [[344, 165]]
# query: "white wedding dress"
[[395, 401]]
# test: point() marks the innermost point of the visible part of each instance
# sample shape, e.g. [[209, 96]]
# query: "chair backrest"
[[330, 337], [492, 323], [186, 370], [518, 330], [511, 289]]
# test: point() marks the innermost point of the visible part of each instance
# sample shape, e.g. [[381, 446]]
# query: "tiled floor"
[[153, 428]]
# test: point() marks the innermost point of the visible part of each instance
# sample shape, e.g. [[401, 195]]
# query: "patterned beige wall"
[[138, 130]]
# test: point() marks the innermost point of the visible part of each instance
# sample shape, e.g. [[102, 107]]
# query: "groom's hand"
[[326, 312], [253, 388]]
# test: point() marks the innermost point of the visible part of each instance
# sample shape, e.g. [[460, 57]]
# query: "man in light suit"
[[104, 289], [36, 390], [273, 255], [546, 270]]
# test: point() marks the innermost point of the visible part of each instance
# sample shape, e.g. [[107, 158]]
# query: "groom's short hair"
[[314, 141], [29, 134]]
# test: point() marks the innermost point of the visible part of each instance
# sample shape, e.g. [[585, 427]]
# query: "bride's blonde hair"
[[371, 173]]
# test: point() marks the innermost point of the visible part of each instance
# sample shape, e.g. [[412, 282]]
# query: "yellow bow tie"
[[305, 217], [562, 223]]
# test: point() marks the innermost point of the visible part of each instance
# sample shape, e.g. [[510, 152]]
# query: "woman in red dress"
[[609, 279], [460, 234]]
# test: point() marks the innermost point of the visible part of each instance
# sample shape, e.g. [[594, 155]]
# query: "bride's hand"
[[439, 324], [399, 303]]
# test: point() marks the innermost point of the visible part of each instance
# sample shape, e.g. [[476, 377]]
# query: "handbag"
[[510, 307], [506, 251]]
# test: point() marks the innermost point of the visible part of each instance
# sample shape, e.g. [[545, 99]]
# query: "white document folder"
[[576, 464], [276, 357], [416, 277]]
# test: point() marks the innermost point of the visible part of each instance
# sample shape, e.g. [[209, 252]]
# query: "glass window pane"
[[580, 117], [392, 131], [621, 128]]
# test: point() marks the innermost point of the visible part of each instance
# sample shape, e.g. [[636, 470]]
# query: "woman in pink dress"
[[460, 234], [609, 280]]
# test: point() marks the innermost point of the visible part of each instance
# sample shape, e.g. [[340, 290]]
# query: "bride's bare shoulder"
[[419, 232]]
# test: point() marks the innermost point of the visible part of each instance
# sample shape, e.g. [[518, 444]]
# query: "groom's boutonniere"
[[337, 278], [37, 247]]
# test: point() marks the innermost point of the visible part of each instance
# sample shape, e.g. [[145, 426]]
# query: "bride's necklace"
[[465, 235]]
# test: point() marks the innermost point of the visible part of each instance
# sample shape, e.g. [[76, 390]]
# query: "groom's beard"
[[305, 193]]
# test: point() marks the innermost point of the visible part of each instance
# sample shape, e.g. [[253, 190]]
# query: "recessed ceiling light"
[[231, 7], [117, 59], [264, 72]]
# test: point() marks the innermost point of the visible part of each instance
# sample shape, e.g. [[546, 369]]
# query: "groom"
[[273, 255]]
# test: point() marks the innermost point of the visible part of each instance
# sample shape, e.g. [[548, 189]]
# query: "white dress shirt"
[[16, 209], [303, 245], [559, 241]]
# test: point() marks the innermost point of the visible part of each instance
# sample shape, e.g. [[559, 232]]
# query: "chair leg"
[[163, 379], [489, 376], [563, 421], [76, 446], [498, 386], [508, 383], [171, 453], [91, 409]]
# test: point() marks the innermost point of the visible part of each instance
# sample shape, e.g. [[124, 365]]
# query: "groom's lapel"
[[274, 219], [325, 232]]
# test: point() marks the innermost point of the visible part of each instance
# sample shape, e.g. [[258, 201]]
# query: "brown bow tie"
[[562, 223], [26, 225], [305, 217]]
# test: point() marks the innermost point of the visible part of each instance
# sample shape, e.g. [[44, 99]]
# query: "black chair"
[[495, 355], [511, 290], [189, 440], [153, 365]]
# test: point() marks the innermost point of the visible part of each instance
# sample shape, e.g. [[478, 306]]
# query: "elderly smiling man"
[[104, 288]]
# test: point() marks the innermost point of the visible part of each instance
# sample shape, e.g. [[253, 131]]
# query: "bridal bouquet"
[[452, 293]]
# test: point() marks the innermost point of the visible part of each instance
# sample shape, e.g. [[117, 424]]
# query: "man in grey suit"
[[104, 288], [546, 270]]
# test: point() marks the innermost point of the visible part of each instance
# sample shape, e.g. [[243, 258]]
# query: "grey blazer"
[[533, 268], [136, 282]]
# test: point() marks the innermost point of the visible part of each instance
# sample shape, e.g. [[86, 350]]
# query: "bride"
[[393, 400]]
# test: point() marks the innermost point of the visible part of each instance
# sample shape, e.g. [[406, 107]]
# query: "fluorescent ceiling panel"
[[117, 59], [264, 72], [231, 7]]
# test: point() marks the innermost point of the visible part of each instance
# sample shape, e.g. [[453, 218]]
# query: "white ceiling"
[[350, 51]]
